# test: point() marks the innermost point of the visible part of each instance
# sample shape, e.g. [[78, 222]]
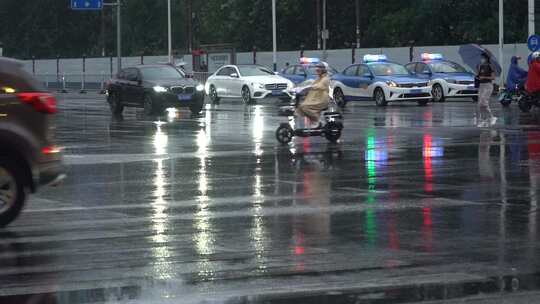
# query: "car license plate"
[[183, 97], [277, 93], [417, 91]]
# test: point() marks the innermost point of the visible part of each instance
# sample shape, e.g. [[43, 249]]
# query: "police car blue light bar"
[[374, 58], [306, 60], [428, 56]]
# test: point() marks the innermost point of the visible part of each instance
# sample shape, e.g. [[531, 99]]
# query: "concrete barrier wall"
[[99, 68]]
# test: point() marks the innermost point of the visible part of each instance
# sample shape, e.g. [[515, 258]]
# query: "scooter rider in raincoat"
[[516, 75], [533, 79], [318, 97]]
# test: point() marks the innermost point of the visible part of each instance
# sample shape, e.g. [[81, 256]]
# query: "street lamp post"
[[531, 18], [501, 40], [325, 31], [118, 33], [357, 24], [274, 35], [169, 32]]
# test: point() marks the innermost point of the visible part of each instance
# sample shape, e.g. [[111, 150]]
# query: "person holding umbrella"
[[485, 75]]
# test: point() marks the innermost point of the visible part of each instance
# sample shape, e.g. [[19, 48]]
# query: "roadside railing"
[[79, 83], [83, 83], [201, 77]]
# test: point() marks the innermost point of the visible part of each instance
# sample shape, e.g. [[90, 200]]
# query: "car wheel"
[[196, 107], [12, 191], [246, 95], [438, 93], [380, 99], [150, 107], [339, 97], [114, 104], [214, 95]]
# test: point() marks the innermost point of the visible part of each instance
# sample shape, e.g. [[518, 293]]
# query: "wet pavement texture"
[[414, 204]]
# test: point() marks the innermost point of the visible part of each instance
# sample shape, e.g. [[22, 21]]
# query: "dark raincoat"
[[516, 75]]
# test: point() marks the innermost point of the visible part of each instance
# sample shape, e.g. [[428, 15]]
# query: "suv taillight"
[[42, 102]]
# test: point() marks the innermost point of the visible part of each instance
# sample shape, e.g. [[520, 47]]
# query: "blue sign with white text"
[[533, 43], [86, 4]]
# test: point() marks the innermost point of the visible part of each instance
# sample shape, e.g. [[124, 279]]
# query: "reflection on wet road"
[[412, 204]]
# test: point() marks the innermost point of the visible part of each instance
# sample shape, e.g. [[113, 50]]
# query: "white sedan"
[[249, 82]]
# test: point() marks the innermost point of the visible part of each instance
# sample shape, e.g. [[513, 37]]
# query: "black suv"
[[28, 157], [154, 88]]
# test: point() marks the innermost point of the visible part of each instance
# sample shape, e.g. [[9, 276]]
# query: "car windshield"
[[158, 73], [312, 70], [254, 70], [446, 67], [388, 69]]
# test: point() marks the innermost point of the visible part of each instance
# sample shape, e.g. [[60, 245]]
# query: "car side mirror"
[[234, 75], [368, 75]]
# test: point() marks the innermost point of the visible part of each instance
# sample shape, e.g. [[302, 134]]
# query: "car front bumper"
[[262, 94], [172, 100], [461, 90], [399, 94]]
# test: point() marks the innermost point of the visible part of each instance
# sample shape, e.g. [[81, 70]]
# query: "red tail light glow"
[[51, 150], [42, 102]]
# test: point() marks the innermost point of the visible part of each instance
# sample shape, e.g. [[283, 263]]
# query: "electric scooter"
[[330, 126]]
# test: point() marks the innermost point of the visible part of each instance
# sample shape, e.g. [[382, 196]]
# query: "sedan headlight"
[[160, 89], [199, 87], [392, 84]]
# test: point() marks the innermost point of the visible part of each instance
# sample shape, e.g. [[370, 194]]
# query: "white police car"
[[448, 79], [380, 80], [305, 71]]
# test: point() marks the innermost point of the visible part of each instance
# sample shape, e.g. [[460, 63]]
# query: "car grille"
[[182, 90], [276, 86], [468, 92], [412, 85], [464, 82], [415, 95]]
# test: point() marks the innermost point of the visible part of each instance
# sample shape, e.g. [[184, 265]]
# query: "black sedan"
[[154, 88]]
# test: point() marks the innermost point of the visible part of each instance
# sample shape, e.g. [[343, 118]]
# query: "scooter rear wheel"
[[525, 105], [505, 99], [284, 134], [333, 132]]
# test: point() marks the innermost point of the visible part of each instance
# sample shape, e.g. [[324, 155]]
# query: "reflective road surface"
[[414, 204]]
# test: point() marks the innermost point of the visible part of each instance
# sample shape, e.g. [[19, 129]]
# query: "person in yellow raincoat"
[[318, 97]]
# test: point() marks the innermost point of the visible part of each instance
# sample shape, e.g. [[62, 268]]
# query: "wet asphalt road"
[[413, 204]]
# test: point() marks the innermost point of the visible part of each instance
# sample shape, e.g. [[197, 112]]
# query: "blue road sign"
[[86, 4], [533, 43]]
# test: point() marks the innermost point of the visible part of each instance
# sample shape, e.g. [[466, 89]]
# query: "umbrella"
[[472, 53]]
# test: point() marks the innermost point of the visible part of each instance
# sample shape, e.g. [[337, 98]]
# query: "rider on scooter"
[[318, 97], [516, 75], [533, 79]]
